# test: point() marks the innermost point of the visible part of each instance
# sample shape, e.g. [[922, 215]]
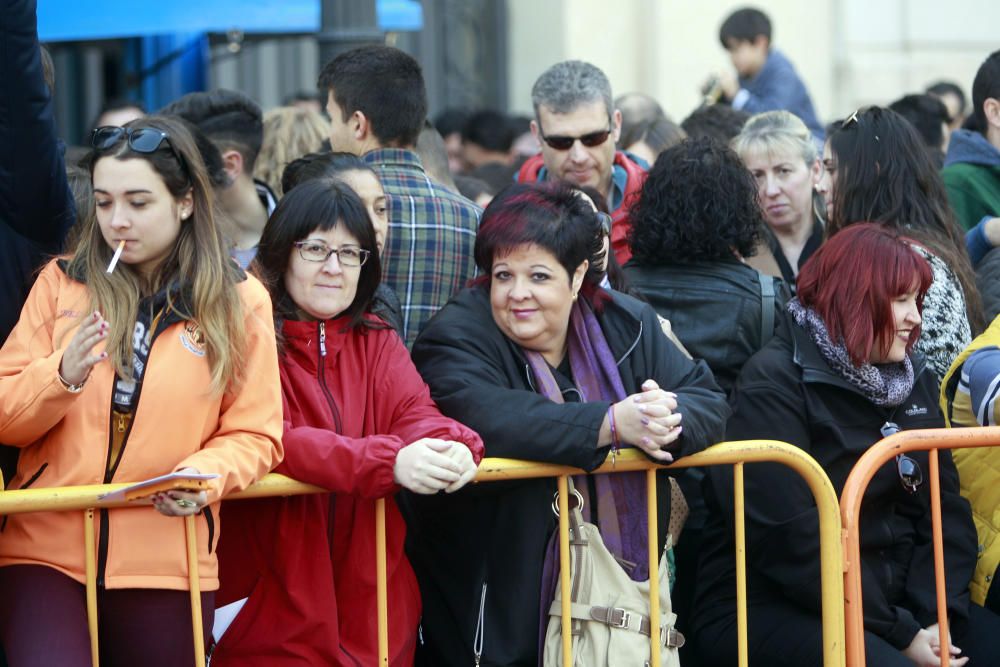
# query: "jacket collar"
[[815, 369], [400, 157]]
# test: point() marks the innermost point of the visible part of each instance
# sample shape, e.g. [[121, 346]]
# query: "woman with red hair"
[[841, 376]]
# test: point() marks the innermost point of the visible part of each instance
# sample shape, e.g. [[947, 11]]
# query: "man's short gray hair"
[[569, 84]]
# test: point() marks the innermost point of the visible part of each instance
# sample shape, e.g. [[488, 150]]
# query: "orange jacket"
[[65, 437]]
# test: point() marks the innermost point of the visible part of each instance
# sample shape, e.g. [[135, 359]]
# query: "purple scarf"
[[621, 497]]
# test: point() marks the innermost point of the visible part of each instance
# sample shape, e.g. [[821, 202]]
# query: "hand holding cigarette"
[[78, 358]]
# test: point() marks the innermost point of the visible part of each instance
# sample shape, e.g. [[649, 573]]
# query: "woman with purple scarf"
[[546, 366], [840, 377]]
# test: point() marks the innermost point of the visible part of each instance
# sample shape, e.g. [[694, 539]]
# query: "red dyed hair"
[[550, 216], [852, 280]]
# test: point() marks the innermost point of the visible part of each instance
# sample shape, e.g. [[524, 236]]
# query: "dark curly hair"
[[699, 203]]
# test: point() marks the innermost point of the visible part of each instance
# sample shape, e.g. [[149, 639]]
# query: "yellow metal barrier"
[[733, 453], [930, 440]]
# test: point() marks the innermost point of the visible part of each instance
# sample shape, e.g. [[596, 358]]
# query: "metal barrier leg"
[[938, 540], [90, 565], [741, 567], [381, 584], [194, 585], [655, 629], [564, 572]]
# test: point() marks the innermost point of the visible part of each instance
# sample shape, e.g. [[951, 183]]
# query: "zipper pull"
[[322, 339], [121, 422]]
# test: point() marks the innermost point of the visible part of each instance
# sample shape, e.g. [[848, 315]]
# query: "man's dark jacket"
[[36, 206]]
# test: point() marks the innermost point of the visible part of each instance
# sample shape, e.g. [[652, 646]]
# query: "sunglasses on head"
[[910, 474], [605, 221], [140, 139], [564, 143]]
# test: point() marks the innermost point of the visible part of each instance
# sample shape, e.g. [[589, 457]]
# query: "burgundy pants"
[[43, 622]]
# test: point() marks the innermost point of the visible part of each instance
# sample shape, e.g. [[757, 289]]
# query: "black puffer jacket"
[[716, 309], [489, 540], [788, 392], [36, 206]]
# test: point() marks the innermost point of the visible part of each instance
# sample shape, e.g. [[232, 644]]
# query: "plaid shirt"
[[432, 231]]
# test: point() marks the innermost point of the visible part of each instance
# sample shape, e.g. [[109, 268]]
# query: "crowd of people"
[[371, 303]]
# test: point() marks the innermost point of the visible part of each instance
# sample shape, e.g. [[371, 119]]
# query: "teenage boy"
[[765, 79], [972, 167]]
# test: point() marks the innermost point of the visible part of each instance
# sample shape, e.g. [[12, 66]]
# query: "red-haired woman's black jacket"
[[788, 392]]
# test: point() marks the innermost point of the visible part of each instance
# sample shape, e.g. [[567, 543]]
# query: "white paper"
[[119, 495], [224, 617]]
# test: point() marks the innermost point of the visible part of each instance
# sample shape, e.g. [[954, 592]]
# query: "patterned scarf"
[[885, 385]]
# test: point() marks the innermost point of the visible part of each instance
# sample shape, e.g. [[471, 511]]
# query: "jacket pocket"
[[31, 480], [210, 523]]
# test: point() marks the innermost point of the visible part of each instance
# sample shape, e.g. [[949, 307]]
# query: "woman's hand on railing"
[[430, 465], [925, 649], [180, 503], [647, 420]]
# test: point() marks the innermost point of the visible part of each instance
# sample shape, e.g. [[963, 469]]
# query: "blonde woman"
[[779, 151], [118, 371], [289, 133]]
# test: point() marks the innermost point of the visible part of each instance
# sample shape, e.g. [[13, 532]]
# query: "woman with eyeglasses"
[[359, 422], [841, 376], [146, 352], [875, 168]]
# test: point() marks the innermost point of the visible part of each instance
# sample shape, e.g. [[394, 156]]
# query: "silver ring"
[[185, 503]]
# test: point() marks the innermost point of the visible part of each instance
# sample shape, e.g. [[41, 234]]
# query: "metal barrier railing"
[[929, 440], [732, 453]]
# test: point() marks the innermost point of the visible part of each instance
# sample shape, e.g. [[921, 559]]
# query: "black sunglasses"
[[910, 474], [605, 221], [140, 139], [591, 140]]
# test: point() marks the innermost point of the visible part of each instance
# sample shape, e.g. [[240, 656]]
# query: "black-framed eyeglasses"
[[564, 143], [347, 255], [910, 474], [605, 221]]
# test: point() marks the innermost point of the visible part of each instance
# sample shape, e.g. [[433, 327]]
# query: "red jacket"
[[352, 400], [529, 173]]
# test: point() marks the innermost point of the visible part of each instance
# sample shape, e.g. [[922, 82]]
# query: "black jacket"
[[36, 206], [715, 308], [493, 536], [788, 392]]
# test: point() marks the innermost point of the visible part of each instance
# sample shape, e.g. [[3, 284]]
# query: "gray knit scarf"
[[885, 385]]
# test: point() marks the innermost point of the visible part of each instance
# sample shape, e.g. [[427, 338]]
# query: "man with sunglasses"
[[577, 127]]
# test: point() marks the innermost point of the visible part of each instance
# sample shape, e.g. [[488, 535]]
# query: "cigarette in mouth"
[[118, 254]]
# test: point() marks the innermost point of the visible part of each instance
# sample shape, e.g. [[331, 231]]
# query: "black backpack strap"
[[767, 306]]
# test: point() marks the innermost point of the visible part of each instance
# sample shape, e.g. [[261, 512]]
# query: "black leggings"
[[43, 622], [782, 635]]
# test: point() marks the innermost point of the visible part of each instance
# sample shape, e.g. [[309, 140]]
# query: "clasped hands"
[[430, 465], [648, 420], [925, 649]]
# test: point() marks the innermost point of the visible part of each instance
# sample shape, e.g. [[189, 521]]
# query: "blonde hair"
[[199, 261], [775, 133], [289, 133]]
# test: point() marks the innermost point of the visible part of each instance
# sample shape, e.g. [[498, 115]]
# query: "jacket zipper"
[[478, 640], [109, 474], [321, 374]]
